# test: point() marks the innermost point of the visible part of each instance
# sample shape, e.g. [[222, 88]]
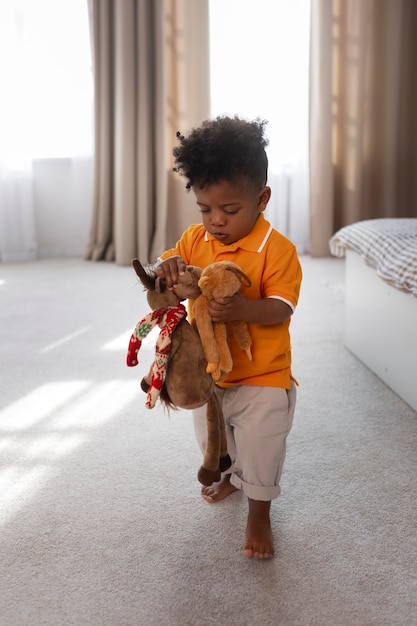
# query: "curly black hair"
[[223, 149]]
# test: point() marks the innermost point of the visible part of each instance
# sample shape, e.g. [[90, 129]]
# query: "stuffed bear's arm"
[[205, 330]]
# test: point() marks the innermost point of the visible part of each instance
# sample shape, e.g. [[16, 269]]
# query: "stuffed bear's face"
[[222, 279], [219, 286]]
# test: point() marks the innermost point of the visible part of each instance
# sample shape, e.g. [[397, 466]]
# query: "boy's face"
[[230, 208]]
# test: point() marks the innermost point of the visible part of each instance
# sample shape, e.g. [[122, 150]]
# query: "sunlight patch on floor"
[[37, 432], [60, 342], [39, 404], [97, 405]]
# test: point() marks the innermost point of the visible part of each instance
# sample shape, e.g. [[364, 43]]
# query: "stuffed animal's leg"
[[145, 383], [225, 460], [210, 471], [242, 336], [206, 332], [225, 358]]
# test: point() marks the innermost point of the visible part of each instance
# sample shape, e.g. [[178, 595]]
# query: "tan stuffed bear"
[[220, 280], [178, 374]]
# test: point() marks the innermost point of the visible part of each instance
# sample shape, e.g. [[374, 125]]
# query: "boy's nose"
[[217, 218]]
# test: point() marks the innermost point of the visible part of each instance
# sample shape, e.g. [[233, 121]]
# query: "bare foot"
[[218, 491], [259, 542]]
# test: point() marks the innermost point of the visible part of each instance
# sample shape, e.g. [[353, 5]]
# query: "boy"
[[226, 166]]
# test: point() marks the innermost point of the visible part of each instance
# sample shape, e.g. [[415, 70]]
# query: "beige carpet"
[[101, 518]]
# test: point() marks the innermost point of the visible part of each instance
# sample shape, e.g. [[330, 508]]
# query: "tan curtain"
[[363, 122], [151, 78]]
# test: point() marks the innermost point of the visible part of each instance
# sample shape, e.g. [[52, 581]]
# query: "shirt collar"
[[253, 242]]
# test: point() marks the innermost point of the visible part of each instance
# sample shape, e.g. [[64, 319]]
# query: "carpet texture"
[[102, 522]]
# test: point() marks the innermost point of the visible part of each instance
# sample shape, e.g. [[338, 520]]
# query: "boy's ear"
[[263, 198]]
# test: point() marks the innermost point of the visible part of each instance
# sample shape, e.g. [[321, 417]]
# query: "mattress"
[[389, 245]]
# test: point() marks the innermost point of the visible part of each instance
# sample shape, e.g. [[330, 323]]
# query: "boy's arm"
[[268, 311]]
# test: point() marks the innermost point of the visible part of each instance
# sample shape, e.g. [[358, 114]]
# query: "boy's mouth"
[[221, 236]]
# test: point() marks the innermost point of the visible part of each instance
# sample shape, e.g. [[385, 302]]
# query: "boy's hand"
[[170, 270], [227, 309]]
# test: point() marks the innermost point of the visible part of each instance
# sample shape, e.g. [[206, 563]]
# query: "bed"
[[381, 299]]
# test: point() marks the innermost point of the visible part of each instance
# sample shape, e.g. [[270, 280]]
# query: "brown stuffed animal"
[[178, 375], [219, 280]]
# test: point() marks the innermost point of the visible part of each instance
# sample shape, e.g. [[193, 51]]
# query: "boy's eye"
[[226, 211]]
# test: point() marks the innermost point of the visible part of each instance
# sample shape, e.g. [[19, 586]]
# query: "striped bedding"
[[389, 245]]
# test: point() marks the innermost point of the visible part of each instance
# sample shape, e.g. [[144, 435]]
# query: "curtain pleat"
[[151, 77], [363, 98]]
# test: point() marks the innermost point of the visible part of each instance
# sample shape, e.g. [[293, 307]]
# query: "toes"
[[257, 553], [263, 555], [209, 494]]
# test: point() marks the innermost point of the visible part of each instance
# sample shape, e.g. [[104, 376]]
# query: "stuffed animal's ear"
[[188, 283], [146, 277], [160, 285], [246, 282], [194, 270]]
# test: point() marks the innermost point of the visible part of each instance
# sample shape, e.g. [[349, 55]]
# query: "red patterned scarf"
[[167, 320]]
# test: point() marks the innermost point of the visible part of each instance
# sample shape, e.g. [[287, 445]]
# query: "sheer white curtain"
[[45, 105], [259, 68]]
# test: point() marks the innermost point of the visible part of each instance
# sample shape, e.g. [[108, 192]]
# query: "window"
[[46, 80]]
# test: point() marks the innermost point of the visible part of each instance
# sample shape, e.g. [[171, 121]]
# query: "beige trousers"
[[258, 421]]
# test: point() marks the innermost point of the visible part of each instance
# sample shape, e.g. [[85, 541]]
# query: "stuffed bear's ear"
[[146, 277], [204, 281], [246, 282]]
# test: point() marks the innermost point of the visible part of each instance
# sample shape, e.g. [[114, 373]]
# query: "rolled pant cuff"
[[255, 492]]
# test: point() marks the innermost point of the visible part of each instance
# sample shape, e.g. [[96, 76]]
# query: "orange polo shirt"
[[270, 261]]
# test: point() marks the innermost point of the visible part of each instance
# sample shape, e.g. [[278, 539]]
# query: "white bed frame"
[[381, 327]]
